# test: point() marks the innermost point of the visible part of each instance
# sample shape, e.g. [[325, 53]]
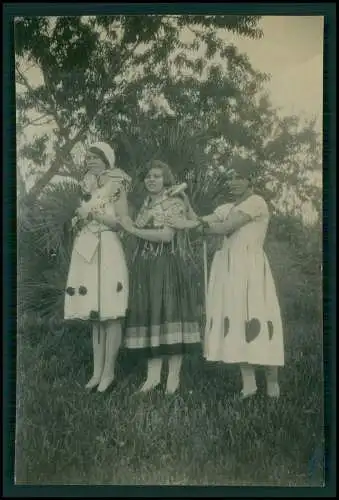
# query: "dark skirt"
[[162, 314]]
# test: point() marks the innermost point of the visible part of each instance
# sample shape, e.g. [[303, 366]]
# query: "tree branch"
[[65, 150], [27, 85]]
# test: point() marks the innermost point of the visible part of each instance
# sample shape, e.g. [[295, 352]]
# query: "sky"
[[291, 51]]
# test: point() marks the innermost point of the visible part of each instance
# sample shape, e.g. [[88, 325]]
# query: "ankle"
[[148, 385]]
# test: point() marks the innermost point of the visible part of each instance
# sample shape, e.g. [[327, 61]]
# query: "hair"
[[101, 155], [168, 176], [246, 169]]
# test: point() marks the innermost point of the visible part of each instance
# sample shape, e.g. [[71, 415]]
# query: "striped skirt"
[[162, 313]]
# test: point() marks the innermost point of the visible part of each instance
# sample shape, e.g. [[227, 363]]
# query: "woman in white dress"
[[243, 315], [97, 284]]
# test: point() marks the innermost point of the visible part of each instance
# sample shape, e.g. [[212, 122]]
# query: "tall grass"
[[201, 436]]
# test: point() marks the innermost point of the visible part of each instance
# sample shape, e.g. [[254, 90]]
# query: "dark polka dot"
[[94, 315], [252, 329], [70, 290], [226, 326], [82, 290], [119, 286], [86, 196], [270, 329]]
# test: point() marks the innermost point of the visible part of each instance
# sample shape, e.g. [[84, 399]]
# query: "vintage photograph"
[[169, 272]]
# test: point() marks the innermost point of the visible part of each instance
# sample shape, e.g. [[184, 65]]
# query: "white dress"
[[243, 314], [97, 284]]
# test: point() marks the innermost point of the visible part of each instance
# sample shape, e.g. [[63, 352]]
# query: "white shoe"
[[149, 386], [273, 391], [105, 383], [92, 383], [246, 395], [172, 386]]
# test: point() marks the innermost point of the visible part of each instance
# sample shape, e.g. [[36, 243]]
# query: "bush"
[[45, 243], [296, 257]]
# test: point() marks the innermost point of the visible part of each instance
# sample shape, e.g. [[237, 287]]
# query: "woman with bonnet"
[[97, 284]]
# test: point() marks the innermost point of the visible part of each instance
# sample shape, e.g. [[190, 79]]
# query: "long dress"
[[162, 315], [97, 283], [243, 314]]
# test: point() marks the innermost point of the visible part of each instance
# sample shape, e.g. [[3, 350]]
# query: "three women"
[[243, 316]]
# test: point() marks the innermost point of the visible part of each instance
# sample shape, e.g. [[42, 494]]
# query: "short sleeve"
[[223, 211], [254, 206]]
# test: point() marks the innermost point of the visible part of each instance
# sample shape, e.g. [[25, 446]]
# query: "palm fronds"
[[44, 248]]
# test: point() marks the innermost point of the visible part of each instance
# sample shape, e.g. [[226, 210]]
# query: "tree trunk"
[[56, 164]]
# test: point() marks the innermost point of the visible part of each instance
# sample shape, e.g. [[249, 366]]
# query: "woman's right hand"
[[82, 212], [126, 223], [179, 223]]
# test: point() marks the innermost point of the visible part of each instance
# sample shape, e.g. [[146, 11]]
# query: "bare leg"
[[273, 389], [249, 384], [98, 340], [153, 374], [173, 379], [112, 346]]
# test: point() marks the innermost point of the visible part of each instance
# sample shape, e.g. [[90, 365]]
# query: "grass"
[[202, 436]]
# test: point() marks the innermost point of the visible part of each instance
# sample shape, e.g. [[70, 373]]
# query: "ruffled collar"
[[148, 201], [91, 181]]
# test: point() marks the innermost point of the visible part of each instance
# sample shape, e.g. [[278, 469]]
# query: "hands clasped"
[[126, 223]]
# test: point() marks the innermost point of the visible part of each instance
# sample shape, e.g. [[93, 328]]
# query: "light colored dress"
[[97, 284], [243, 314]]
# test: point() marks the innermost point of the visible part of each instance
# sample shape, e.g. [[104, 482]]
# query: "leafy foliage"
[[96, 73], [44, 247], [95, 69]]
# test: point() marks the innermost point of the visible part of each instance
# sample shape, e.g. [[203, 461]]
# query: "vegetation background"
[[197, 103]]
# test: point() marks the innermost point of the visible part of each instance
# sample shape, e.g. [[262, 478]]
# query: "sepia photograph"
[[169, 173]]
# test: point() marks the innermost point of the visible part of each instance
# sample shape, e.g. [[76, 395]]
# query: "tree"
[[156, 100], [93, 70]]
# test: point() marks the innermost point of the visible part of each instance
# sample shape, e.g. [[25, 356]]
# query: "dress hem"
[[164, 350], [90, 320], [240, 361]]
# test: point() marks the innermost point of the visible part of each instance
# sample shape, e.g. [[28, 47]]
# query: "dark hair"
[[101, 155], [245, 168], [168, 176]]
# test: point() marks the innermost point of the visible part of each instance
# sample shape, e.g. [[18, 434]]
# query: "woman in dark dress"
[[162, 314]]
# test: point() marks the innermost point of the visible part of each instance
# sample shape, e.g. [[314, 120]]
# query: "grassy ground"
[[202, 436]]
